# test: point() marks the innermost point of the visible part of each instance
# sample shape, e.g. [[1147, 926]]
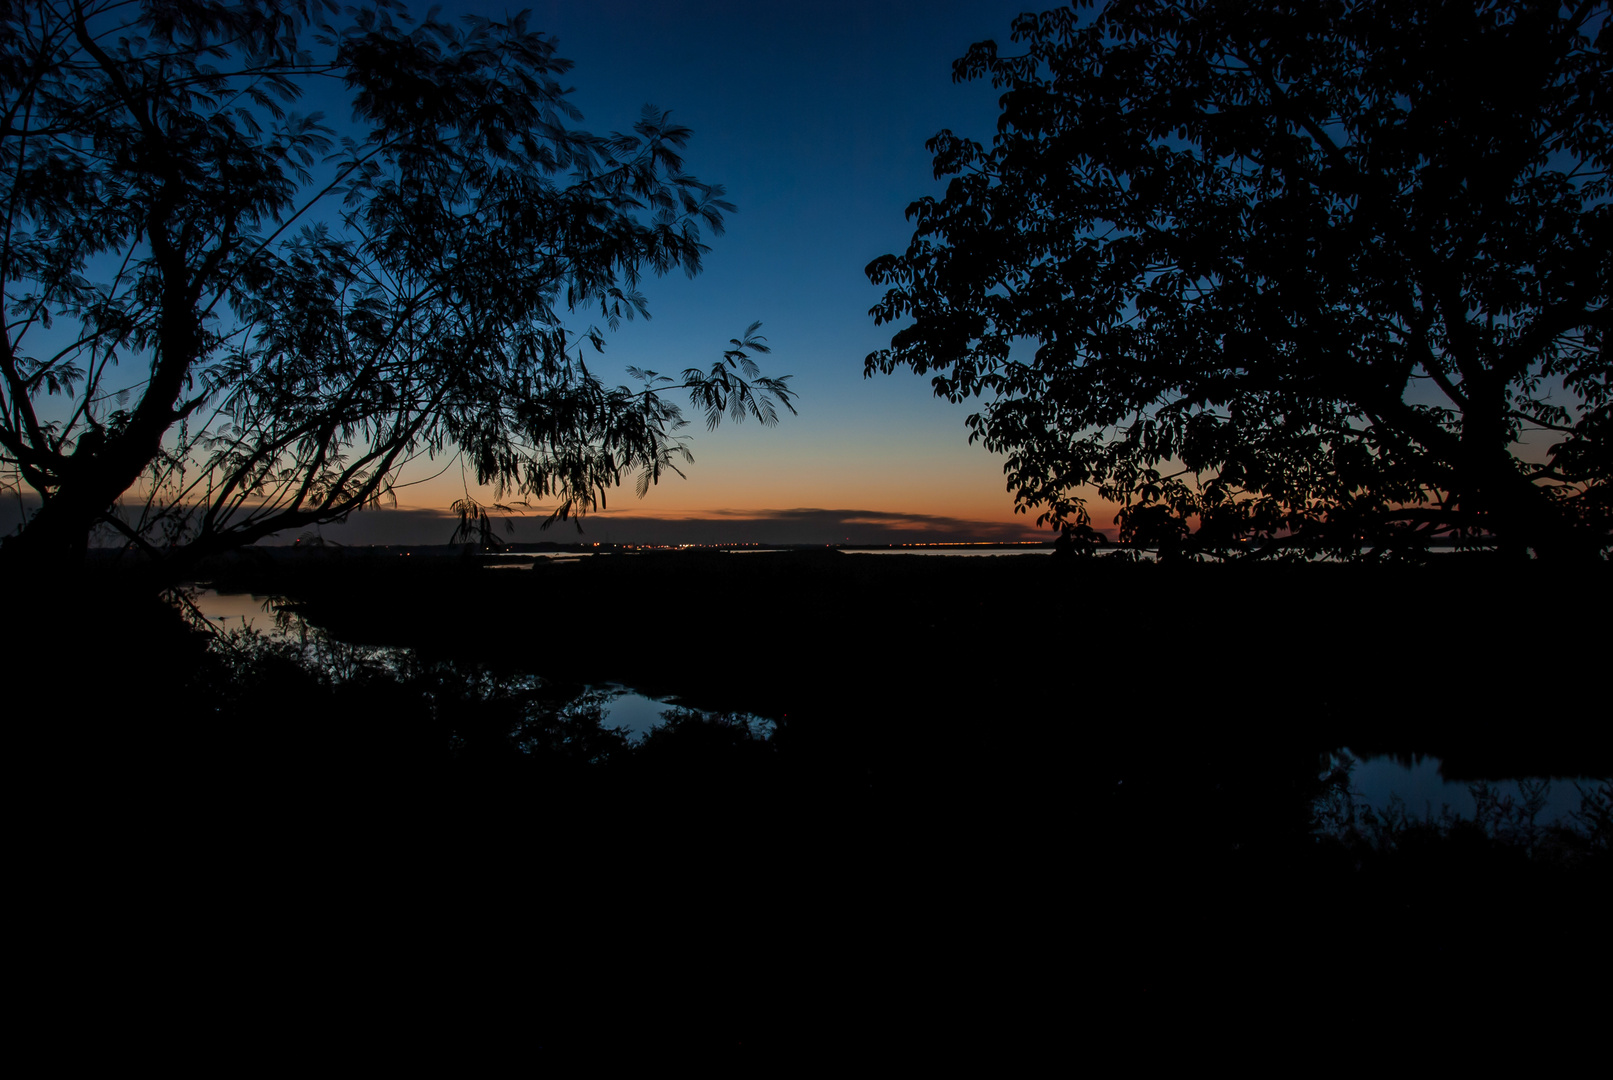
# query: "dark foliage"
[[1333, 272], [250, 320]]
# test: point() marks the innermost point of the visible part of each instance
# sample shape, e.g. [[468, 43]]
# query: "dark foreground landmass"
[[983, 778], [1488, 666]]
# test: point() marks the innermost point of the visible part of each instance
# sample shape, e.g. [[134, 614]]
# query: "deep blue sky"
[[814, 117]]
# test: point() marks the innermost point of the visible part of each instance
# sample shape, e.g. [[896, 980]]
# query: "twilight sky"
[[814, 117]]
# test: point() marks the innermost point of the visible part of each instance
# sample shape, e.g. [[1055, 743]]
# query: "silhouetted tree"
[[1336, 270], [250, 321]]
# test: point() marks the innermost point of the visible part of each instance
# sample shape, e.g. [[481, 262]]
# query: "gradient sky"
[[813, 117]]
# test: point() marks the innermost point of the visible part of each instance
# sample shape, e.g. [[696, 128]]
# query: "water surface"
[[1420, 784]]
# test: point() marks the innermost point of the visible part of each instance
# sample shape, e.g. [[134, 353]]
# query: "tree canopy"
[[252, 319], [1329, 274]]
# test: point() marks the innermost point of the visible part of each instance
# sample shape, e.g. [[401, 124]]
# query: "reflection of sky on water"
[[1425, 791], [637, 713], [231, 611], [632, 710]]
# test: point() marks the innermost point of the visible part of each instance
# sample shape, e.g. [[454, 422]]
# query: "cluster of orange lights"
[[682, 547]]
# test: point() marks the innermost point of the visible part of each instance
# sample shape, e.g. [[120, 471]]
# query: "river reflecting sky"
[[1419, 783]]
